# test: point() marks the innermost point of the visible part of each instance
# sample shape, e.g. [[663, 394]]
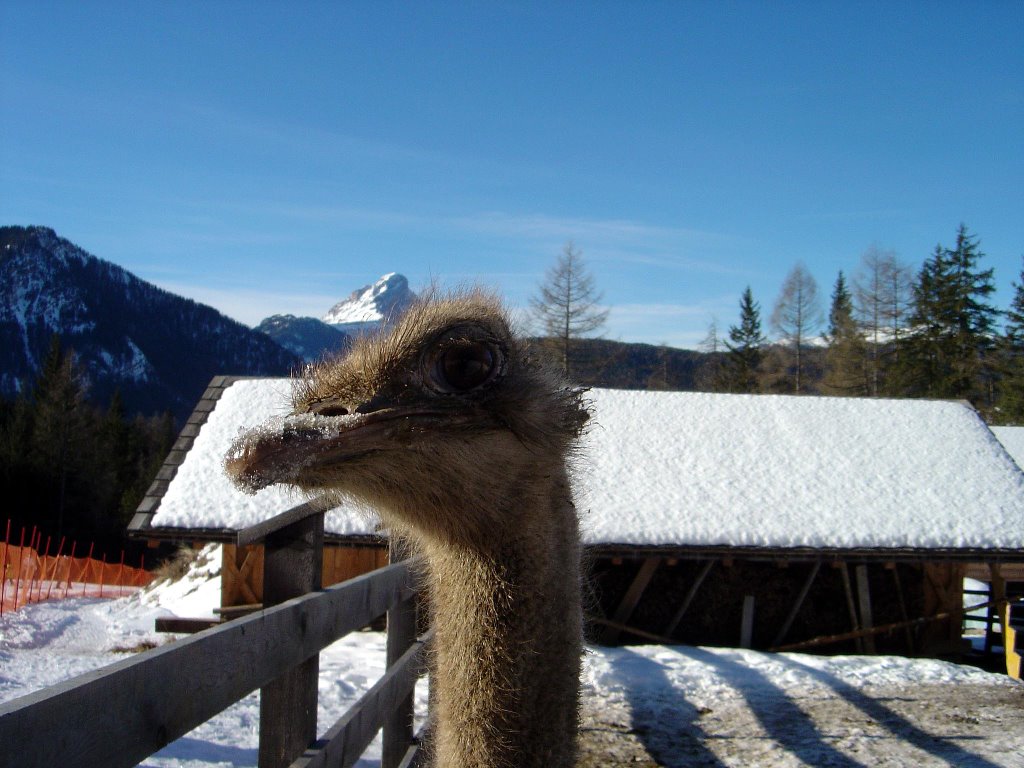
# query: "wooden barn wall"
[[896, 592], [242, 569]]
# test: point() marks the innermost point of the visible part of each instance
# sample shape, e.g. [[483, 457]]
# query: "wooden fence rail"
[[121, 714]]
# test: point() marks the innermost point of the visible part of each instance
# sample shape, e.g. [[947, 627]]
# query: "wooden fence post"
[[397, 734], [293, 563]]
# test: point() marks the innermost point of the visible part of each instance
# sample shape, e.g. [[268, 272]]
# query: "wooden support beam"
[[641, 633], [263, 529], [844, 573], [234, 611], [997, 592], [691, 593], [829, 639], [908, 634], [798, 604], [236, 580], [292, 566], [747, 622], [632, 597], [864, 601]]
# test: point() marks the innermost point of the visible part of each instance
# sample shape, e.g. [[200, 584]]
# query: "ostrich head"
[[442, 424]]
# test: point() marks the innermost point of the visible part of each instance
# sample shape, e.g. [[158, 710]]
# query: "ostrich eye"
[[462, 365]]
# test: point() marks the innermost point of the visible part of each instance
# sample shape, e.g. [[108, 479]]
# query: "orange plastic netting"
[[29, 577]]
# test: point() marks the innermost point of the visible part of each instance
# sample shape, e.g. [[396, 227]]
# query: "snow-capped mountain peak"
[[380, 301]]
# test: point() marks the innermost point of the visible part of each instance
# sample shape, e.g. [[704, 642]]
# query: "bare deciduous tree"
[[568, 305], [797, 318], [882, 297]]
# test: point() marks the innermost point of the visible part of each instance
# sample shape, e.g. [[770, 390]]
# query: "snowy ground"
[[642, 706]]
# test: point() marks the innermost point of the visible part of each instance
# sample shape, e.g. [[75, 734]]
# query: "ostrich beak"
[[293, 449]]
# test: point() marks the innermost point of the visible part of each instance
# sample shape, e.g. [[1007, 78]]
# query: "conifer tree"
[[948, 351], [844, 358], [1011, 386], [741, 369], [59, 425]]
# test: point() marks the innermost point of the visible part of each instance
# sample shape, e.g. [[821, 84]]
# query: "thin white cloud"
[[677, 325], [250, 306]]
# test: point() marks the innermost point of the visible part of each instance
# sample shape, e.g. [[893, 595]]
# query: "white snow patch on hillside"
[[373, 303]]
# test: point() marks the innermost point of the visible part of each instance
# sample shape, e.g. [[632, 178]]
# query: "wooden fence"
[[119, 715]]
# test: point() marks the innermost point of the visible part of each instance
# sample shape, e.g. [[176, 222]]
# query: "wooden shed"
[[708, 519], [192, 502]]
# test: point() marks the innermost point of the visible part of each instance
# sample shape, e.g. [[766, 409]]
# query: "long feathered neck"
[[505, 677]]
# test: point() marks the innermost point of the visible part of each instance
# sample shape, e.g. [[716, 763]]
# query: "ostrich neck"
[[508, 642]]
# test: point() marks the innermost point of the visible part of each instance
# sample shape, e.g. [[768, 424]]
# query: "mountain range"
[[364, 310], [158, 349]]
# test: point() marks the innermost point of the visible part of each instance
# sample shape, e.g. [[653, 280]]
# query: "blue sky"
[[271, 157]]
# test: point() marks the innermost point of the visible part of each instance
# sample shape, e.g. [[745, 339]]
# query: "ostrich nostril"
[[330, 410]]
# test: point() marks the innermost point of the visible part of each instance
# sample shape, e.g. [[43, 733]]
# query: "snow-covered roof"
[[685, 469], [1012, 439]]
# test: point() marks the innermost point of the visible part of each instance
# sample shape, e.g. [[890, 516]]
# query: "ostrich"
[[460, 440]]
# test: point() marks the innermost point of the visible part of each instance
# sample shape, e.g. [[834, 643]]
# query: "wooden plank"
[[182, 625], [345, 742], [155, 697], [242, 582], [691, 593], [158, 488], [401, 629], [747, 622], [943, 593], [798, 604], [631, 598], [997, 590], [256, 533], [882, 628], [983, 571], [413, 757], [234, 611], [864, 602], [292, 562]]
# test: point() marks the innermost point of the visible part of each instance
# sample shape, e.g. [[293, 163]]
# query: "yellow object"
[[1010, 643]]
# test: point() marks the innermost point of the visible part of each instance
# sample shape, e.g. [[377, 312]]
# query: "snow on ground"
[[46, 643], [650, 705]]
